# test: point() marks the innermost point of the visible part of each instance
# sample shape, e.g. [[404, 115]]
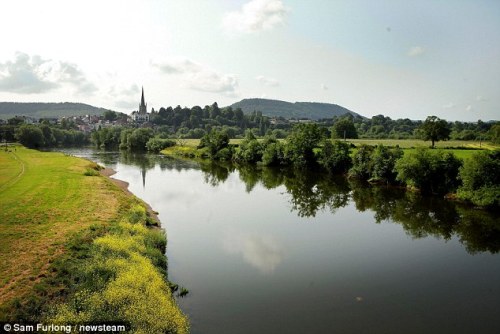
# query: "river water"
[[281, 251]]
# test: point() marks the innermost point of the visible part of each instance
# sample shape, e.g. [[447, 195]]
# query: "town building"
[[142, 115]]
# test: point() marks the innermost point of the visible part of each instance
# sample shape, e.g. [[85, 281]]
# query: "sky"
[[402, 59]]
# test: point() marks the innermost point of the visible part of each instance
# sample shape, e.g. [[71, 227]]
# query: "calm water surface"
[[267, 251]]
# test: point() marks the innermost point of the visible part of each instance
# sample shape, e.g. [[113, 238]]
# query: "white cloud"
[[125, 97], [416, 51], [178, 66], [449, 105], [271, 82], [260, 251], [469, 108], [199, 77], [256, 15], [34, 75]]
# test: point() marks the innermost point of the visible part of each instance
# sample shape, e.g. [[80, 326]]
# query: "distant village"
[[89, 123]]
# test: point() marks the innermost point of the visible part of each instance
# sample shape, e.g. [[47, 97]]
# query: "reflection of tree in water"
[[423, 216], [311, 192], [420, 216], [216, 173]]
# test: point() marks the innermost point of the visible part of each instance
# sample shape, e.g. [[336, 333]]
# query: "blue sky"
[[397, 58]]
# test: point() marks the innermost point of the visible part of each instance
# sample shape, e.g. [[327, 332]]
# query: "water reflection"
[[263, 252], [312, 192]]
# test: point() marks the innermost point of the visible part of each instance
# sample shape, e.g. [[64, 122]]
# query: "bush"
[[430, 172], [250, 150], [383, 160], [301, 143], [362, 165], [335, 158], [273, 155], [156, 144], [480, 177]]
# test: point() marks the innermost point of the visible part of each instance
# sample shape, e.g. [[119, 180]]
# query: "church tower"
[[143, 109]]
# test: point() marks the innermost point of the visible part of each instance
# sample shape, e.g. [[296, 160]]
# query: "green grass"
[[45, 198], [50, 214], [413, 143]]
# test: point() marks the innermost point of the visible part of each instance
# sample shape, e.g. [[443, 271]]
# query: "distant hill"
[[276, 108], [41, 110]]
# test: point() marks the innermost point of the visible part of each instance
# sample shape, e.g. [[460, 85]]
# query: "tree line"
[[476, 180], [44, 134]]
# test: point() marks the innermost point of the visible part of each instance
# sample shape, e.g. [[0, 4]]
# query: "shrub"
[[480, 177], [157, 144], [362, 165], [301, 143], [90, 172], [383, 160], [273, 155], [431, 173], [250, 150], [335, 158]]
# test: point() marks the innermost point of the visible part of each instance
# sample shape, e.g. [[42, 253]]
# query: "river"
[[278, 251]]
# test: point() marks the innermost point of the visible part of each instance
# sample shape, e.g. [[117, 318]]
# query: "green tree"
[[250, 150], [301, 143], [30, 136], [383, 162], [344, 128], [335, 158], [216, 141], [495, 133], [362, 165], [480, 177], [435, 129], [431, 172], [110, 115]]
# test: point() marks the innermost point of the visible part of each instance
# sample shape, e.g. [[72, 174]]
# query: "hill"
[[276, 108], [41, 110]]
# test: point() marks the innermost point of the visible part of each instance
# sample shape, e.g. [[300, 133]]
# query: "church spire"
[[142, 106]]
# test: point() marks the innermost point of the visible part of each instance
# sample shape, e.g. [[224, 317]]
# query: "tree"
[[430, 172], [435, 129], [383, 161], [362, 165], [301, 142], [335, 158], [30, 136], [344, 128], [217, 143], [495, 133], [480, 177], [110, 115]]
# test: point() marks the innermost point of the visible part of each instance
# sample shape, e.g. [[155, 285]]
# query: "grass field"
[[413, 143], [44, 200]]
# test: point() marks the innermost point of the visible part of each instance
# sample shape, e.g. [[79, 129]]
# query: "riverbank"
[[65, 230]]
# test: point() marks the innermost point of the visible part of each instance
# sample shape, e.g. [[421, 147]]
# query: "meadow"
[[54, 216]]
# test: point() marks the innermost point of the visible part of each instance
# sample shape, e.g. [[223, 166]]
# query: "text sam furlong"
[[67, 328]]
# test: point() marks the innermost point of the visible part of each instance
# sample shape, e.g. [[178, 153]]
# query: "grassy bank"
[[60, 226]]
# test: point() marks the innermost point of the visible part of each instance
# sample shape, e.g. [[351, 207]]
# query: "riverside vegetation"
[[67, 258], [473, 179]]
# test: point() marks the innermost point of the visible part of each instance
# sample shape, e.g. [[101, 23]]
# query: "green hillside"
[[276, 108], [41, 110]]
